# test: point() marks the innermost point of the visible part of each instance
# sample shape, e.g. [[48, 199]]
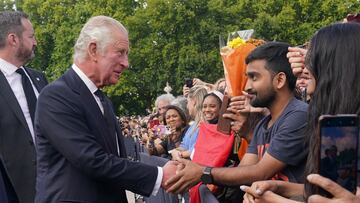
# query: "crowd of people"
[[62, 142]]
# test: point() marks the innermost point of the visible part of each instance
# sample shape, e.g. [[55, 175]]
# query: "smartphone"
[[338, 153], [303, 94], [162, 131], [188, 82]]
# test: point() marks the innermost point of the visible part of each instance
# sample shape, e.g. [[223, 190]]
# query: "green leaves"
[[171, 39]]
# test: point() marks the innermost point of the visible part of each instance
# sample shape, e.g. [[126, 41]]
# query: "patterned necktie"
[[29, 93]]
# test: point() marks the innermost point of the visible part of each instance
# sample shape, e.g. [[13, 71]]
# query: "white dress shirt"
[[92, 87], [14, 80]]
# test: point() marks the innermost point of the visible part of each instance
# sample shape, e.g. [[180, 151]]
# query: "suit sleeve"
[[62, 122]]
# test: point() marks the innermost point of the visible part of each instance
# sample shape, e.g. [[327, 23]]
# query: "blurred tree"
[[7, 5], [171, 39]]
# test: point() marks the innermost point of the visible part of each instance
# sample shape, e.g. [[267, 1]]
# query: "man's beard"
[[265, 100], [24, 55]]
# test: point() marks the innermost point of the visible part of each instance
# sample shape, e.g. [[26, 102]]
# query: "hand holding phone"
[[338, 153], [161, 131], [189, 82]]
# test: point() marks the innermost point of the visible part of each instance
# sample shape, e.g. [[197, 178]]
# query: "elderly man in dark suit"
[[80, 149], [19, 88]]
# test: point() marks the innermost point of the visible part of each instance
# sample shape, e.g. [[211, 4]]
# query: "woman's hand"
[[186, 91], [264, 192], [258, 188], [174, 134], [197, 81], [267, 197], [176, 154], [282, 188], [151, 134]]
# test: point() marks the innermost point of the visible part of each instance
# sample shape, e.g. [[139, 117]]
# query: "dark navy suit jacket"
[[76, 154]]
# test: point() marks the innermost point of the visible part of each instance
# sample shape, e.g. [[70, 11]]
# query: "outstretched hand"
[[184, 178], [169, 170], [339, 193]]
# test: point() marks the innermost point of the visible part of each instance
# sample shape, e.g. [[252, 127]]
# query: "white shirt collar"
[[89, 84], [6, 67]]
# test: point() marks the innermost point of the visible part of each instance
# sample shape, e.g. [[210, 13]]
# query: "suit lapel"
[[118, 134], [93, 109], [36, 79], [121, 142], [8, 95]]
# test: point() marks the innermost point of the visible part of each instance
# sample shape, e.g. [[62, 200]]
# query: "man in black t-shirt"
[[277, 149], [284, 141]]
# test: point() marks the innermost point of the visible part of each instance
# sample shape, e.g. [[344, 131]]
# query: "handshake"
[[180, 175]]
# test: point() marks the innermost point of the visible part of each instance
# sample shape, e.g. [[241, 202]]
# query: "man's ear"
[[13, 39], [280, 80], [93, 51]]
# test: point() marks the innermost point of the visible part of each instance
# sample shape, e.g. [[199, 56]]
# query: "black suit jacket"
[[16, 144], [76, 156], [7, 192]]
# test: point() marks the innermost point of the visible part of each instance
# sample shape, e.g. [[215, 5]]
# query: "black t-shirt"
[[284, 141]]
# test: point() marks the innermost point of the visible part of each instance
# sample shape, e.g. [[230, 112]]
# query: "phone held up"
[[188, 82], [338, 153], [161, 131]]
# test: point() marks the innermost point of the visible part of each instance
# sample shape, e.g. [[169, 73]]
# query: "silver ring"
[[232, 123]]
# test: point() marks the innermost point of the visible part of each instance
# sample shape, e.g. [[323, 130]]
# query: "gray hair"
[[10, 22], [98, 29], [164, 97], [181, 102]]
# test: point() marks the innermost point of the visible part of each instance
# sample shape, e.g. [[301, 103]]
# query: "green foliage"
[[171, 39], [6, 5]]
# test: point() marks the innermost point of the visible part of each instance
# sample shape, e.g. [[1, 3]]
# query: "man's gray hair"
[[98, 29], [164, 97], [10, 22]]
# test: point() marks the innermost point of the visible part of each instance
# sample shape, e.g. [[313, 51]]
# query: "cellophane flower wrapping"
[[233, 54]]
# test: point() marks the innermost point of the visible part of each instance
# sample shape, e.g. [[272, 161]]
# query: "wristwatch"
[[206, 177]]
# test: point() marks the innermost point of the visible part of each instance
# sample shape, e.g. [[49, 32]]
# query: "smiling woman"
[[211, 107], [176, 121]]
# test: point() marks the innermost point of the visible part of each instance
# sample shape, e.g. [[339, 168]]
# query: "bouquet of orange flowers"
[[233, 54]]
